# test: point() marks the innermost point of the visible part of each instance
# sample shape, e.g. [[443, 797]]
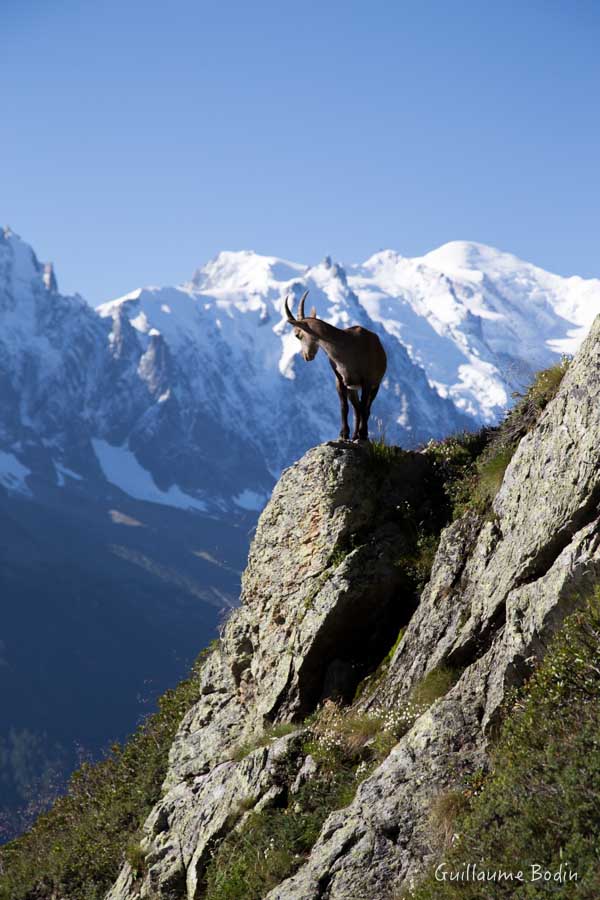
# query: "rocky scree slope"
[[322, 604]]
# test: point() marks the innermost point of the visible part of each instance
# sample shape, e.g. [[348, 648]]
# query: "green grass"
[[382, 455], [261, 740], [490, 471], [530, 405], [540, 804], [434, 685], [338, 736], [75, 850], [474, 478], [443, 815], [273, 843], [395, 645], [135, 857]]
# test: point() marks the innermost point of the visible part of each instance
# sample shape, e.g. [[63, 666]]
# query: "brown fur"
[[357, 358]]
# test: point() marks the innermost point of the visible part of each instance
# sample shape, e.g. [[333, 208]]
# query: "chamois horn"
[[288, 312], [301, 305]]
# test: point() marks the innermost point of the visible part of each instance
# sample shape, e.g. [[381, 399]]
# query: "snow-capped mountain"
[[190, 396], [481, 322], [237, 359], [195, 396], [85, 398]]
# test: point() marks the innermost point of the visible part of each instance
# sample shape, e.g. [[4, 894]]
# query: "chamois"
[[356, 356]]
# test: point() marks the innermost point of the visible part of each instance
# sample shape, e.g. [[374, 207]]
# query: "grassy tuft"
[[261, 740], [530, 405], [338, 738], [273, 843], [443, 814], [136, 858], [434, 685], [473, 465]]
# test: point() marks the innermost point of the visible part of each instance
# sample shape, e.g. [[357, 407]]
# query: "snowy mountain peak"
[[328, 269], [461, 257], [25, 282], [24, 289], [20, 265], [244, 271], [382, 258]]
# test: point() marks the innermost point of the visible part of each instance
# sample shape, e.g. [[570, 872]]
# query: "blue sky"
[[138, 139]]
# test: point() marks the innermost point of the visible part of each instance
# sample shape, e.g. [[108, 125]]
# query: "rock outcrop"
[[322, 603]]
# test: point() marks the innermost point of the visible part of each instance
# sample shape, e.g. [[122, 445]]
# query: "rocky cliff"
[[324, 598]]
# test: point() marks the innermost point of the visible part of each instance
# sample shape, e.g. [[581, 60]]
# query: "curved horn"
[[301, 305], [289, 314]]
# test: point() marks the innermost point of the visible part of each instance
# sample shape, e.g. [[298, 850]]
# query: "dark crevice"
[[467, 550], [391, 831], [545, 559], [323, 886], [359, 632], [324, 882], [478, 645]]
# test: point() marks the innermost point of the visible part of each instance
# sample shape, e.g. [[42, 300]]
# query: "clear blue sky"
[[138, 138]]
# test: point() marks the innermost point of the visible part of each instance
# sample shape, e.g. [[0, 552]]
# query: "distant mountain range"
[[194, 396], [138, 442]]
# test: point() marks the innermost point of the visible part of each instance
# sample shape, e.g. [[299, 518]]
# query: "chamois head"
[[302, 329]]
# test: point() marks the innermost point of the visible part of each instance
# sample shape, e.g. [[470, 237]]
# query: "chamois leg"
[[343, 395], [354, 400], [368, 395]]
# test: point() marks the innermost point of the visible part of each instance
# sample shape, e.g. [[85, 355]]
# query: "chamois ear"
[[313, 313], [303, 326]]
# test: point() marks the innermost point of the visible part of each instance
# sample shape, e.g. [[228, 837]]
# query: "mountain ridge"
[[155, 371]]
